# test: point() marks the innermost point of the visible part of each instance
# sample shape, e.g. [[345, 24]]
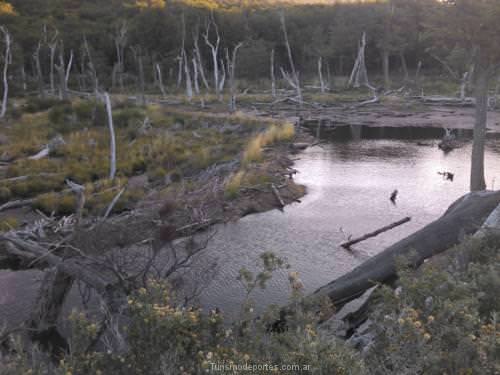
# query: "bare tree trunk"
[[463, 86], [23, 78], [273, 75], [386, 68], [52, 47], [159, 77], [404, 66], [222, 79], [137, 51], [92, 69], [64, 73], [197, 55], [214, 47], [294, 79], [359, 75], [38, 67], [196, 77], [477, 179], [320, 75], [120, 44], [187, 71], [112, 157], [7, 61], [231, 67]]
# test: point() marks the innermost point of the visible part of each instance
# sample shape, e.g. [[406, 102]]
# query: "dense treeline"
[[397, 39]]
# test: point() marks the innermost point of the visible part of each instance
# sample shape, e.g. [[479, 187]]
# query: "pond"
[[349, 180]]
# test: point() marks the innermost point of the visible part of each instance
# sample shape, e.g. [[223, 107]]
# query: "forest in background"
[[399, 38]]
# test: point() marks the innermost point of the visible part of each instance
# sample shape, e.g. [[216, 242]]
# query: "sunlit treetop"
[[150, 4], [7, 8]]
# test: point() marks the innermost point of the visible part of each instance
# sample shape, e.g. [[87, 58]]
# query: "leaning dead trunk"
[[187, 71], [293, 78], [359, 75], [477, 180], [7, 61], [159, 78], [464, 217]]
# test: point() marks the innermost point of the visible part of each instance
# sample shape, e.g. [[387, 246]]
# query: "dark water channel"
[[349, 180]]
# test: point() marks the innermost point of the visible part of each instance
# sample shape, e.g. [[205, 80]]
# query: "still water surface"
[[349, 180]]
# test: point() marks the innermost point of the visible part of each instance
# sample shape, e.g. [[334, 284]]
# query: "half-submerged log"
[[348, 244], [464, 217]]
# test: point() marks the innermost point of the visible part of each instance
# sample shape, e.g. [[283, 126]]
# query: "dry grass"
[[274, 134], [234, 184]]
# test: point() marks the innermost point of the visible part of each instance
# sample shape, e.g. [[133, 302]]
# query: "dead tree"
[[293, 77], [64, 72], [195, 76], [359, 75], [53, 44], [320, 75], [159, 80], [231, 68], [7, 60], [120, 39], [91, 67], [273, 75], [38, 68], [112, 151], [187, 71], [137, 52], [214, 48], [180, 58], [197, 57]]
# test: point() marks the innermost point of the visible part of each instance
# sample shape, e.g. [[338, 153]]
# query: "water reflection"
[[349, 182]]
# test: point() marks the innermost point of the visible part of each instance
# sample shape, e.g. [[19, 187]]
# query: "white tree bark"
[[159, 78], [359, 75], [120, 44], [91, 66], [231, 68], [7, 61], [197, 56], [292, 79], [187, 71], [54, 42], [38, 67], [196, 76], [273, 75], [214, 48], [320, 75], [112, 151]]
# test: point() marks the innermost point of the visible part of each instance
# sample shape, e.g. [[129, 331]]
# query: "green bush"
[[445, 319], [126, 117], [36, 104]]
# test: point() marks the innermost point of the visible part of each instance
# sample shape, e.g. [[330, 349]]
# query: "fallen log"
[[347, 245], [277, 195], [16, 204], [464, 217]]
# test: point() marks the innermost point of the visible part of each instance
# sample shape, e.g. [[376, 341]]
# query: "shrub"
[[37, 104], [126, 117], [445, 319]]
